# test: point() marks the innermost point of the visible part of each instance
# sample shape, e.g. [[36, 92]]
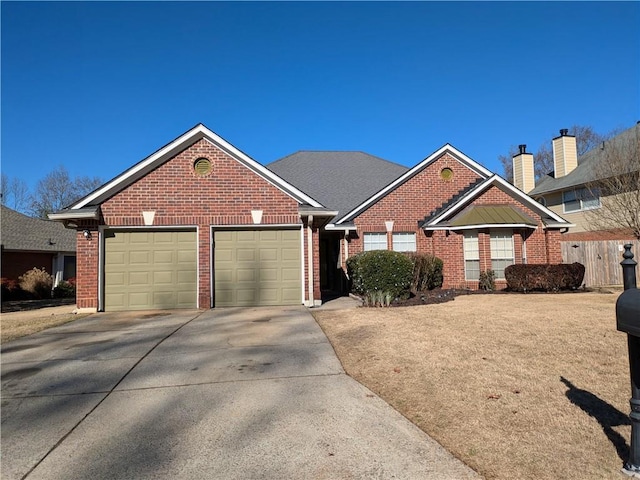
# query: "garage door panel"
[[257, 267], [246, 255], [163, 256], [150, 269], [245, 275]]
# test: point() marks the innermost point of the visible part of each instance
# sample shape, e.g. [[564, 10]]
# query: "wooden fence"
[[601, 259]]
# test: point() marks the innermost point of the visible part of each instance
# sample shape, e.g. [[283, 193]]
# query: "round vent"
[[202, 166], [446, 173]]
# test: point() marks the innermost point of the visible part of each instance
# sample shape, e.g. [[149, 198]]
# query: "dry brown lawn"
[[19, 324], [517, 386]]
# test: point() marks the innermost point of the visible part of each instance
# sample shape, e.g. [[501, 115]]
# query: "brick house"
[[199, 224], [27, 243], [573, 190]]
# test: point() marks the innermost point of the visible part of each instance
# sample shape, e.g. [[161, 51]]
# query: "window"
[[375, 241], [69, 267], [501, 251], [579, 199], [404, 242], [471, 256]]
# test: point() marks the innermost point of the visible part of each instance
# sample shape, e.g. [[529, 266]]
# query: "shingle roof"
[[19, 232], [586, 170], [338, 180]]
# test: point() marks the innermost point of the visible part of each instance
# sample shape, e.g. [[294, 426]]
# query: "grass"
[[517, 386], [20, 324]]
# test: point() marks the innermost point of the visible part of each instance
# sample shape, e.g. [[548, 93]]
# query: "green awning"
[[492, 215]]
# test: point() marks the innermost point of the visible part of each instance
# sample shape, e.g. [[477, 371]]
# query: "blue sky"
[[97, 87]]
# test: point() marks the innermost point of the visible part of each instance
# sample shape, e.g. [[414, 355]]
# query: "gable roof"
[[447, 148], [587, 170], [339, 180], [22, 233], [167, 152], [448, 219]]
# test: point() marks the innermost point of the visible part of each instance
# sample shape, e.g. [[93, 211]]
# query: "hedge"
[[381, 271], [545, 277]]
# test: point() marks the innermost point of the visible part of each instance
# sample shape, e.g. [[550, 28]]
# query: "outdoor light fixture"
[[87, 234]]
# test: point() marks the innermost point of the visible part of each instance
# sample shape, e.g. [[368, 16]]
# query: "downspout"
[[310, 258]]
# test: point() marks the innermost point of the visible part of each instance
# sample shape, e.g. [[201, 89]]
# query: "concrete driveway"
[[222, 394]]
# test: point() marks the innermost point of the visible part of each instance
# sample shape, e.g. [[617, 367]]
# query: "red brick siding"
[[179, 197], [16, 264], [418, 197], [87, 252]]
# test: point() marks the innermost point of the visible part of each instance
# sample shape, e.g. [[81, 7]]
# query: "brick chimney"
[[565, 154], [523, 173]]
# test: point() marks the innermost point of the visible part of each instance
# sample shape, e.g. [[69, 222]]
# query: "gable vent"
[[202, 166]]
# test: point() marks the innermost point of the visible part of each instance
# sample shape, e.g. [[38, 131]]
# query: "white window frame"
[[374, 241], [404, 241], [502, 251], [579, 200], [471, 249]]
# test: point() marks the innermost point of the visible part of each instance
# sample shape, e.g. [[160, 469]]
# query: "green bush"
[[64, 290], [487, 280], [383, 271], [427, 272], [37, 282], [544, 277]]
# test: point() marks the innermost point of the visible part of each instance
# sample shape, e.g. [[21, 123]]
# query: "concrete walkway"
[[224, 394]]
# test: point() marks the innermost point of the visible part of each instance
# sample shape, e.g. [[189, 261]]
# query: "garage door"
[[150, 270], [257, 267]]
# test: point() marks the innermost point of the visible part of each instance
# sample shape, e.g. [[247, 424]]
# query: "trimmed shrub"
[[487, 280], [427, 272], [381, 271], [545, 277], [65, 289], [37, 282]]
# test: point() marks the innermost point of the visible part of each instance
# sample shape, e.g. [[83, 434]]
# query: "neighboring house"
[[571, 191], [32, 242], [199, 224]]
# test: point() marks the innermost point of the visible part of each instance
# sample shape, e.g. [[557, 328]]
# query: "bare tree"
[[586, 139], [15, 193], [617, 183], [58, 190]]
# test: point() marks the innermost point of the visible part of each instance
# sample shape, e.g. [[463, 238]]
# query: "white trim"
[[159, 228], [310, 301], [67, 215], [485, 225], [302, 264], [185, 140], [251, 226], [333, 226], [459, 156]]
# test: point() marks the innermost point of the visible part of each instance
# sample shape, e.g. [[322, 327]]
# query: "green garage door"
[[150, 270], [257, 267]]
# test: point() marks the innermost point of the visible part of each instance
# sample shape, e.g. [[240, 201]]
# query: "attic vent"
[[446, 173], [202, 167]]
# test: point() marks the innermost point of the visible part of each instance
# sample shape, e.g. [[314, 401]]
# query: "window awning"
[[486, 216]]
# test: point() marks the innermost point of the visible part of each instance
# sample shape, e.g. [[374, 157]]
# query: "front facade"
[[28, 243], [199, 224]]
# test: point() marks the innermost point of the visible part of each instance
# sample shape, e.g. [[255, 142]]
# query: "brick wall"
[[418, 197], [179, 197]]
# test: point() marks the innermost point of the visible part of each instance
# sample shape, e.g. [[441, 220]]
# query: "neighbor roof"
[[339, 180], [586, 170], [23, 233]]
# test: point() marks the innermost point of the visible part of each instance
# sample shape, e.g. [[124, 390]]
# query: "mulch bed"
[[440, 295], [24, 305]]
